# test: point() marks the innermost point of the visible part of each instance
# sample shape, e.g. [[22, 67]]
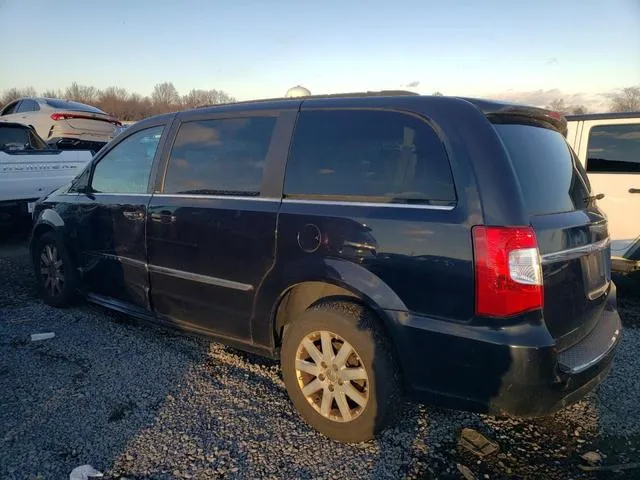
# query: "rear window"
[[73, 106], [550, 178], [16, 138]]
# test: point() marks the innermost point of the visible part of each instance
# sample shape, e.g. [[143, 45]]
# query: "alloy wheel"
[[332, 376], [52, 270]]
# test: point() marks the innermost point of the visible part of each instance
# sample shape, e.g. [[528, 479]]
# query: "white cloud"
[[595, 102]]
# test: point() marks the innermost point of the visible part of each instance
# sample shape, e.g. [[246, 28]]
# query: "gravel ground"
[[138, 401]]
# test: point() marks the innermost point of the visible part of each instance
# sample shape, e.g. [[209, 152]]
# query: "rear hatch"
[[571, 230]]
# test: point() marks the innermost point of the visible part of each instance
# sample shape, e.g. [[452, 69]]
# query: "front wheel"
[[339, 371], [56, 277]]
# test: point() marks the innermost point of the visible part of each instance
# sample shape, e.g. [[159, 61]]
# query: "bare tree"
[[578, 110], [16, 93], [53, 93], [437, 94], [113, 100], [197, 98], [165, 97], [137, 107], [625, 100], [82, 93], [558, 105]]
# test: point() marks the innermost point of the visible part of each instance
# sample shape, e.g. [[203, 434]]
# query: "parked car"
[[447, 249], [29, 169], [62, 123], [608, 145]]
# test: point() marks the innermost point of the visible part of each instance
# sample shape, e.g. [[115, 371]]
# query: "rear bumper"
[[625, 266], [13, 211], [514, 370], [65, 143]]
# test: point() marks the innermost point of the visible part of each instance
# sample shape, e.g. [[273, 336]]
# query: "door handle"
[[634, 190], [135, 216], [163, 217]]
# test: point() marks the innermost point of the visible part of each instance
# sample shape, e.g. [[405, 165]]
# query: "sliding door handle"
[[135, 216], [634, 190]]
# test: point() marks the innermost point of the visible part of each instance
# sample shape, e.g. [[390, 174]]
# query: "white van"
[[608, 145]]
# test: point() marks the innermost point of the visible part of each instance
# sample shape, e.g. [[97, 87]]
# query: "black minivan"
[[447, 250]]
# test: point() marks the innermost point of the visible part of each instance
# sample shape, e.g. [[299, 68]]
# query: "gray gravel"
[[138, 401]]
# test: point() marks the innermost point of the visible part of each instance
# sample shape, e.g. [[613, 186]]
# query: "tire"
[[377, 391], [50, 249]]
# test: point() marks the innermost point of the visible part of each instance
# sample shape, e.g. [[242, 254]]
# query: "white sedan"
[[63, 123]]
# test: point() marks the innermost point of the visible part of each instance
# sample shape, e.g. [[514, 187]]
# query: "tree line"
[[623, 100], [124, 105], [165, 98]]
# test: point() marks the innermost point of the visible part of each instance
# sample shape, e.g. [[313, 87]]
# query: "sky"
[[507, 49]]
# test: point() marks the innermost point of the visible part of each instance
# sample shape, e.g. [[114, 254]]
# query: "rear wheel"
[[55, 274], [339, 371]]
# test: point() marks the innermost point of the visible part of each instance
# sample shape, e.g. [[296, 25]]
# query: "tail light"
[[70, 115], [508, 271]]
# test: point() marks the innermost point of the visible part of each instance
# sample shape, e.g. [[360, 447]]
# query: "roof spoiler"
[[538, 117], [522, 114]]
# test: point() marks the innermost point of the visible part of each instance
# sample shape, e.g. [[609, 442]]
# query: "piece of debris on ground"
[[36, 337], [477, 443]]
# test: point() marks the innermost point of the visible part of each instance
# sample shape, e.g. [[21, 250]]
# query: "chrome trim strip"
[[215, 197], [576, 252], [585, 366], [105, 194], [196, 277], [597, 293], [359, 246], [367, 204], [130, 261]]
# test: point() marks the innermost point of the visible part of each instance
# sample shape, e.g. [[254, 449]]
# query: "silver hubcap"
[[51, 270], [332, 376]]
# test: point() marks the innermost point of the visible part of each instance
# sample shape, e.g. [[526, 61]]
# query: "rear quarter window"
[[17, 138], [368, 156], [547, 169], [11, 137], [614, 149]]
